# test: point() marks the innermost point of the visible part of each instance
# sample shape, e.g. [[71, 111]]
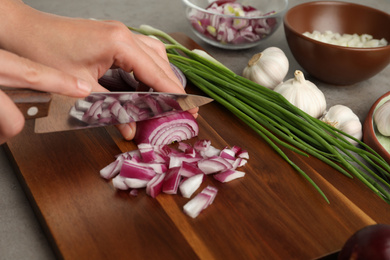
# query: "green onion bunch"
[[276, 120]]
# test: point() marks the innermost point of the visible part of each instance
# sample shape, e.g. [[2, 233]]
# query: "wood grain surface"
[[271, 213]]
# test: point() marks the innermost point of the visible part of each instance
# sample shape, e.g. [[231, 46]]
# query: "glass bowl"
[[235, 28]]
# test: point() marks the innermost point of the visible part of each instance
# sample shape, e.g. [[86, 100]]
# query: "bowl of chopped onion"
[[339, 43], [235, 24]]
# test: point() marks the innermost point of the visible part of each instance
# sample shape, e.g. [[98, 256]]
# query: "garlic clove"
[[267, 68], [344, 119], [382, 118], [303, 94]]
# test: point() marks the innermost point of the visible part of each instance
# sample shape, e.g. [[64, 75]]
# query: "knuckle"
[[31, 73]]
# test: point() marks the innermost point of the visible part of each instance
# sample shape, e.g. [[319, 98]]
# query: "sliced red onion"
[[119, 112], [154, 187], [205, 148], [148, 167], [177, 160], [179, 74], [82, 105], [200, 202], [232, 30], [212, 191], [119, 183], [132, 169], [228, 154], [171, 181], [128, 77], [79, 115], [120, 80], [228, 175], [112, 169], [189, 169], [134, 183], [175, 127], [113, 81], [188, 186], [213, 165]]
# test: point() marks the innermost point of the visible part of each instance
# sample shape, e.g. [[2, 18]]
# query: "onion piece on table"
[[164, 168], [188, 186], [200, 202]]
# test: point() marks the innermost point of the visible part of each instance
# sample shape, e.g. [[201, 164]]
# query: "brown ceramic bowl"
[[331, 63], [371, 136]]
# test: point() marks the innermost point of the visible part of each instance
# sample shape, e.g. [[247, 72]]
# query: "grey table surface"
[[21, 236]]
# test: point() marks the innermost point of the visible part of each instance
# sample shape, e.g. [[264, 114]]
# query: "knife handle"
[[33, 104]]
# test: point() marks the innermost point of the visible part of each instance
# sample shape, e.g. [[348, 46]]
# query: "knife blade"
[[54, 113]]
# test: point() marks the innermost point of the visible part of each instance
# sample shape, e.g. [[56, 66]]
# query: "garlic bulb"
[[382, 118], [267, 68], [344, 119], [303, 94]]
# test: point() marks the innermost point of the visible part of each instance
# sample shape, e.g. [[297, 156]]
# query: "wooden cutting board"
[[272, 213]]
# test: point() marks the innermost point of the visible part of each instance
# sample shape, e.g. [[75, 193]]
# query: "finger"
[[127, 130], [153, 44], [149, 68], [23, 73], [11, 119], [150, 45]]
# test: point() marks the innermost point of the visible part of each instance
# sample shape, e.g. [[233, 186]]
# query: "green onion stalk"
[[276, 120]]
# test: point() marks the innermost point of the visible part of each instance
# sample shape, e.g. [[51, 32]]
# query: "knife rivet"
[[32, 111]]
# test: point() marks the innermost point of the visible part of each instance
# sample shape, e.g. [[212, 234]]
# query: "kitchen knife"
[[53, 113]]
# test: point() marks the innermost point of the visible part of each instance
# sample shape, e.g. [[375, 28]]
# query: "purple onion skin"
[[148, 130], [370, 242]]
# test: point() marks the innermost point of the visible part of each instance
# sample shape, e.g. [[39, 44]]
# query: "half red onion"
[[175, 127]]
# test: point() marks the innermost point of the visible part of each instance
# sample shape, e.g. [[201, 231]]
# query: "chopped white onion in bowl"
[[347, 40]]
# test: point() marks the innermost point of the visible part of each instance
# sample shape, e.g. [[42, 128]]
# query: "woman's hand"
[[19, 72], [87, 48]]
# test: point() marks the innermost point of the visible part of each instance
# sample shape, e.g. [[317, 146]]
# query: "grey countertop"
[[21, 236]]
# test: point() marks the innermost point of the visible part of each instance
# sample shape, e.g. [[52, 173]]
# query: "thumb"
[[11, 119]]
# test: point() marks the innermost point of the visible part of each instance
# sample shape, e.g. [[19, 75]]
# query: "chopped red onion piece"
[[212, 191], [111, 80], [119, 112], [178, 159], [205, 148], [82, 105], [201, 201], [134, 183], [92, 114], [228, 175], [76, 114], [190, 185], [171, 181], [228, 154], [188, 169], [118, 182], [131, 169], [112, 169], [148, 166], [213, 165], [154, 187], [128, 77], [179, 74]]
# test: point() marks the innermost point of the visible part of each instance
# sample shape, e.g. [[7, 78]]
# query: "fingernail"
[[84, 86], [126, 131]]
